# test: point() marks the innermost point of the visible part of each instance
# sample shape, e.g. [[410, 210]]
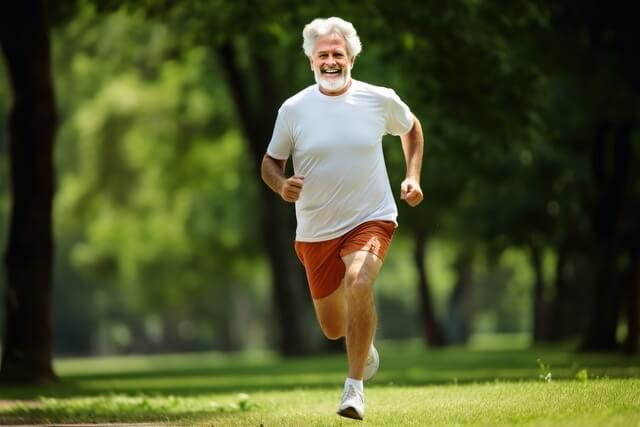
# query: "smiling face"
[[331, 64]]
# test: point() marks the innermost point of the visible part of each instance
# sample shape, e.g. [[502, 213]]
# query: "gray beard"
[[332, 85]]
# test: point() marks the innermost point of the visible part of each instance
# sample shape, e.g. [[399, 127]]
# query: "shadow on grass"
[[401, 364], [119, 408]]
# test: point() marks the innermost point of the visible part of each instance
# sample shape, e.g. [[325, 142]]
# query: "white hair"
[[321, 27]]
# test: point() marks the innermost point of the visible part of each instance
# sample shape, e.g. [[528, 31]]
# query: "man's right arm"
[[273, 175]]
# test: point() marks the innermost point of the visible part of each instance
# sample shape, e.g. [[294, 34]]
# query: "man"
[[346, 214]]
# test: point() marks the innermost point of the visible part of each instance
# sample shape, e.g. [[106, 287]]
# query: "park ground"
[[415, 387]]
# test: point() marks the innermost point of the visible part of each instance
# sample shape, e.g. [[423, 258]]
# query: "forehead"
[[330, 43]]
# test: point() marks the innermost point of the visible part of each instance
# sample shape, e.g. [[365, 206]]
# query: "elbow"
[[263, 168], [270, 167]]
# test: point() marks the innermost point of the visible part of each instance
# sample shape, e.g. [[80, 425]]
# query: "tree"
[[632, 343], [589, 56], [256, 89], [153, 214], [27, 343], [257, 117], [463, 73]]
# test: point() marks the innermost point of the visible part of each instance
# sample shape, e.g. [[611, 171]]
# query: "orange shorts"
[[323, 260]]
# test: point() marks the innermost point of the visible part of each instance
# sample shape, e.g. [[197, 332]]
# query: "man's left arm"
[[412, 146]]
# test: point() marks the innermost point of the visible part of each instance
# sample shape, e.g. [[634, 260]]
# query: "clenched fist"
[[290, 191], [411, 192]]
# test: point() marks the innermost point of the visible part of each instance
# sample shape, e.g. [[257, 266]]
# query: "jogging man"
[[345, 211]]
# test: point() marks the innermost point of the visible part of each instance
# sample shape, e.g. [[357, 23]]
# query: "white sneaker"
[[352, 405], [372, 364]]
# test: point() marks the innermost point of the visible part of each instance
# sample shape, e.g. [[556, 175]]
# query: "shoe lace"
[[352, 393]]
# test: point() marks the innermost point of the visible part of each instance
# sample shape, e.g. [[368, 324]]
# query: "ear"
[[353, 61], [311, 62]]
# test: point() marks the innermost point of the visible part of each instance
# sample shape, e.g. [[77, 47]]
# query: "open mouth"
[[332, 72]]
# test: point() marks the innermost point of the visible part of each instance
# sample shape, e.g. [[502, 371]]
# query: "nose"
[[331, 60]]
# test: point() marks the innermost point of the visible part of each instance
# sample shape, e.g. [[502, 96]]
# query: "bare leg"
[[362, 269], [331, 312]]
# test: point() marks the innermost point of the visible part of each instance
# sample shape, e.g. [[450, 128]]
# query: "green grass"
[[414, 387]]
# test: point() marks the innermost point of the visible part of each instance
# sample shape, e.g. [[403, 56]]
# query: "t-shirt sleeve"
[[281, 143], [399, 116]]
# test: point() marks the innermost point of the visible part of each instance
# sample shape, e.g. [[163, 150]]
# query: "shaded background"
[[166, 240]]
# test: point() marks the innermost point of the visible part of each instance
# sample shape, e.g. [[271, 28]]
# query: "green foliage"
[[474, 94], [153, 198], [545, 371], [582, 375], [156, 205]]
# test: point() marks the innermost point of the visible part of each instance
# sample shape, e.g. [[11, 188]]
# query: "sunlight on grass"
[[154, 363], [500, 341], [415, 386], [603, 402]]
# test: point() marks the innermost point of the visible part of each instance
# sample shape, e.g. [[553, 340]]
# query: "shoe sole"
[[349, 412]]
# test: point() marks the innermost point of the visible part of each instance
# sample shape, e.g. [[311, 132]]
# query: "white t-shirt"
[[336, 144]]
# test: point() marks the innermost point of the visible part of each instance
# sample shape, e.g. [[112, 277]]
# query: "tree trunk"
[[538, 296], [27, 339], [561, 298], [460, 303], [632, 343], [257, 119], [432, 332], [611, 179]]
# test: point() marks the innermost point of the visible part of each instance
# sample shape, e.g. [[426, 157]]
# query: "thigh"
[[364, 249], [361, 266]]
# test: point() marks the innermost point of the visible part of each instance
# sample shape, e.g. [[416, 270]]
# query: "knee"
[[359, 285], [333, 331]]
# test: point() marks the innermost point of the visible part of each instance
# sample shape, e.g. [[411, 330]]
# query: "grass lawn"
[[414, 386]]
